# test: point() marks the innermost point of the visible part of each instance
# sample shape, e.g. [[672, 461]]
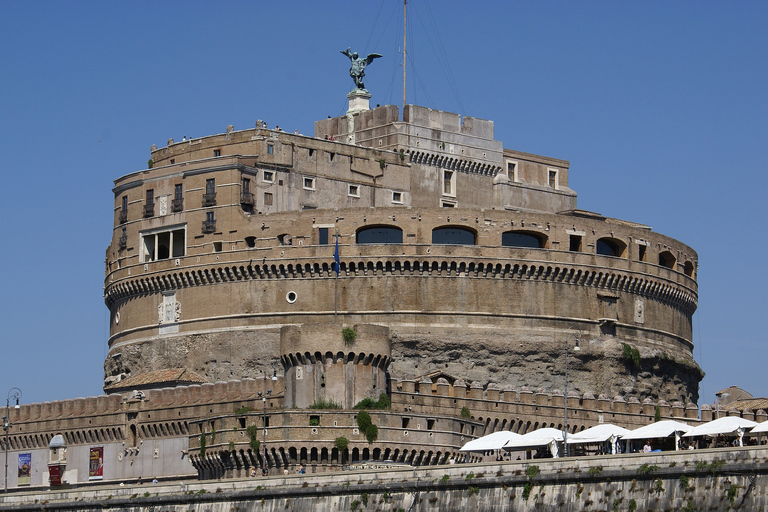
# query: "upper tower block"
[[470, 167]]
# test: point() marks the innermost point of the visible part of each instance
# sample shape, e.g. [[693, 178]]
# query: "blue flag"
[[336, 260]]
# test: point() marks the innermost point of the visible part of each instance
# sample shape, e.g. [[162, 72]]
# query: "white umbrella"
[[660, 429], [599, 434], [724, 425], [494, 441], [537, 438], [760, 428]]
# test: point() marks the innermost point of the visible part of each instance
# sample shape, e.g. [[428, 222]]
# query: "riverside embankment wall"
[[718, 479]]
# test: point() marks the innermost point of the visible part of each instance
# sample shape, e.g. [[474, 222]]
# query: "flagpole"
[[336, 280]]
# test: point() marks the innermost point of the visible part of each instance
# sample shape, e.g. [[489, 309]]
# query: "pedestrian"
[[647, 448], [302, 470]]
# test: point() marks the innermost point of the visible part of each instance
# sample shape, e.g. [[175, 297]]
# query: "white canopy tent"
[[659, 430], [536, 439], [599, 434], [760, 428], [494, 441], [723, 426]]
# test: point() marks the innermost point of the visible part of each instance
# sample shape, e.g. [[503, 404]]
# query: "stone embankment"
[[721, 479]]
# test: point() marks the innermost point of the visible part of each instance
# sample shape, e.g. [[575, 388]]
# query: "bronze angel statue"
[[357, 71]]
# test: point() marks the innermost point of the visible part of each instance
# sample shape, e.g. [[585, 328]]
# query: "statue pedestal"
[[358, 101]]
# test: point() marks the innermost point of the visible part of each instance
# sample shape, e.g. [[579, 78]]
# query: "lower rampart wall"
[[701, 480]]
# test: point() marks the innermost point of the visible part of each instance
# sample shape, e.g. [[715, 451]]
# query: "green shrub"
[[243, 410], [314, 422], [595, 470], [657, 414], [473, 490], [647, 469], [150, 163], [354, 505], [630, 355], [532, 471], [684, 481], [465, 412], [444, 479], [231, 446], [632, 505], [325, 404], [372, 433], [367, 427], [349, 335], [253, 432], [341, 443], [383, 402], [658, 486], [364, 497], [469, 477], [527, 490], [202, 444]]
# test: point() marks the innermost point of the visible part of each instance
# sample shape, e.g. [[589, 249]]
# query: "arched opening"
[[453, 235], [379, 235], [688, 269], [250, 242], [523, 239], [611, 247], [667, 259]]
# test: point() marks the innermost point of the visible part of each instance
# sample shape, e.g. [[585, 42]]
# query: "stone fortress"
[[464, 269]]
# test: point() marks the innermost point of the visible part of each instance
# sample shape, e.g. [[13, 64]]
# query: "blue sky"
[[659, 106]]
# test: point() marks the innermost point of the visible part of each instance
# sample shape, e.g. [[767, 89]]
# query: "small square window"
[[269, 176], [309, 183], [353, 191], [397, 197], [216, 152], [267, 199], [270, 149]]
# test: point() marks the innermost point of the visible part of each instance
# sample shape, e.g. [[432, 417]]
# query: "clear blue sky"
[[659, 106]]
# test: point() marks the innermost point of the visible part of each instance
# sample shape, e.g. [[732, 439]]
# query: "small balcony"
[[123, 216], [177, 205], [209, 226], [149, 210], [123, 242], [209, 199], [246, 198]]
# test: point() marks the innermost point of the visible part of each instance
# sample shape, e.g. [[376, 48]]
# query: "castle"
[[464, 269]]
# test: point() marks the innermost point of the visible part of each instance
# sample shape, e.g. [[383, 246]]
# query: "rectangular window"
[[124, 210], [322, 236], [267, 199], [269, 176], [216, 152], [552, 180], [178, 193], [309, 183], [246, 186], [125, 204], [163, 244], [641, 252], [178, 198], [511, 170], [209, 224], [353, 191], [270, 149], [149, 204], [397, 197], [150, 197], [575, 243], [209, 198], [449, 185]]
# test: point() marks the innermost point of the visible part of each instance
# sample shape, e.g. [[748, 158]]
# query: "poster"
[[54, 474], [25, 468], [96, 463]]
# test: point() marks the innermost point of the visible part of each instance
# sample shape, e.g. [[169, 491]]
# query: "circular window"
[[291, 297]]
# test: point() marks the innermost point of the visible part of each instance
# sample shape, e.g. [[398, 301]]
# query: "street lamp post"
[[576, 348], [13, 393]]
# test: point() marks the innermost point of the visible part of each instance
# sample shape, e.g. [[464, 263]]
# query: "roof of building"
[[753, 404], [171, 376]]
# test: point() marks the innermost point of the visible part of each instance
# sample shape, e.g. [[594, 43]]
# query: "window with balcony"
[[209, 198], [209, 224], [162, 244], [123, 242], [178, 198], [149, 204], [246, 197]]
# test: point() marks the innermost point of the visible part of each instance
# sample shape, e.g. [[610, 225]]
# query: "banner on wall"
[[25, 468], [96, 463]]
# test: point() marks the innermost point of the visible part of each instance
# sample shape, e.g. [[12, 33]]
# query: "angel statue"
[[357, 71]]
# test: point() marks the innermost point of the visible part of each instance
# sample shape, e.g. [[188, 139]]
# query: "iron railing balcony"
[[149, 210], [209, 226], [209, 199], [123, 242], [177, 205], [123, 216], [246, 198]]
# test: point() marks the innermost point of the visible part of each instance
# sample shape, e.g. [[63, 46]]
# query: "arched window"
[[688, 269], [611, 247], [453, 235], [667, 259], [380, 235], [523, 239]]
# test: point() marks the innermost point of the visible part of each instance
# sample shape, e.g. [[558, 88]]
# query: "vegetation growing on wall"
[[465, 412], [323, 403], [349, 335], [630, 355], [367, 427], [253, 432], [369, 403], [341, 444]]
